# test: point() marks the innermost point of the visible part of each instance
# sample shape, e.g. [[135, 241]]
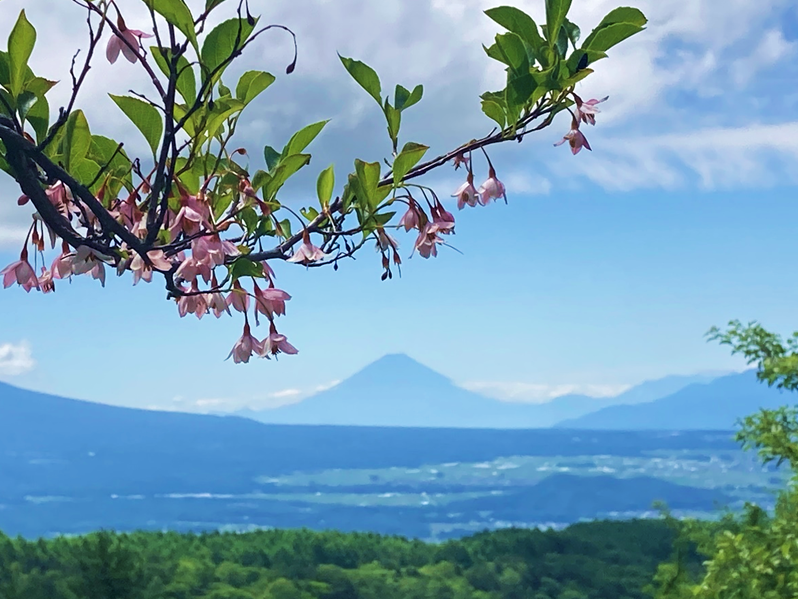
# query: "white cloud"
[[755, 155], [771, 49], [540, 393], [690, 52], [275, 399], [286, 393], [16, 358]]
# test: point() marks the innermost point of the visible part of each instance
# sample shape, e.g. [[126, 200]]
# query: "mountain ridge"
[[396, 390], [700, 406]]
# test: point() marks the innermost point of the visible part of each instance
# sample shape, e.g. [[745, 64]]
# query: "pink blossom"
[[59, 197], [62, 265], [117, 43], [192, 215], [307, 252], [492, 188], [576, 139], [20, 272], [190, 268], [466, 193], [192, 304], [276, 343], [238, 298], [410, 218], [270, 301], [428, 240], [143, 271], [245, 347], [385, 241], [211, 249], [587, 111], [46, 284], [216, 303], [443, 219], [86, 260]]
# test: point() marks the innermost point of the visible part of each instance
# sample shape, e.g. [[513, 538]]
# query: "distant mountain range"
[[398, 391], [74, 466], [718, 404]]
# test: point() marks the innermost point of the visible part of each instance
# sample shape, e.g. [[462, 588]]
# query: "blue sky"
[[604, 270]]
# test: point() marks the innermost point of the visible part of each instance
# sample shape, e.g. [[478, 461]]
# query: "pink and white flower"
[[119, 43]]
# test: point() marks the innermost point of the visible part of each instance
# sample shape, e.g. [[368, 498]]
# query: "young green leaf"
[[607, 37], [410, 155], [76, 141], [405, 99], [5, 73], [252, 84], [517, 21], [176, 13], [615, 27], [145, 116], [394, 119], [20, 46], [223, 43], [271, 156], [495, 112], [512, 50], [365, 76], [244, 267], [186, 82], [368, 178], [325, 185], [302, 138], [556, 11]]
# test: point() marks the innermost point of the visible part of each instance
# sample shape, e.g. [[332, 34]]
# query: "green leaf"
[[556, 11], [309, 213], [368, 178], [244, 267], [519, 89], [572, 31], [609, 36], [146, 118], [629, 21], [211, 4], [176, 13], [250, 218], [518, 22], [186, 83], [495, 53], [410, 155], [592, 56], [494, 111], [85, 171], [222, 44], [76, 141], [365, 76], [512, 50], [271, 156], [394, 119], [302, 138], [39, 118], [20, 46], [325, 185], [252, 84], [5, 73], [25, 101], [285, 169], [405, 99]]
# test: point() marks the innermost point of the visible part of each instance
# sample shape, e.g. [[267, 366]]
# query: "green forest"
[[597, 560]]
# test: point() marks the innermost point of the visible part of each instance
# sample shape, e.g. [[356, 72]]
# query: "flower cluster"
[[585, 113]]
